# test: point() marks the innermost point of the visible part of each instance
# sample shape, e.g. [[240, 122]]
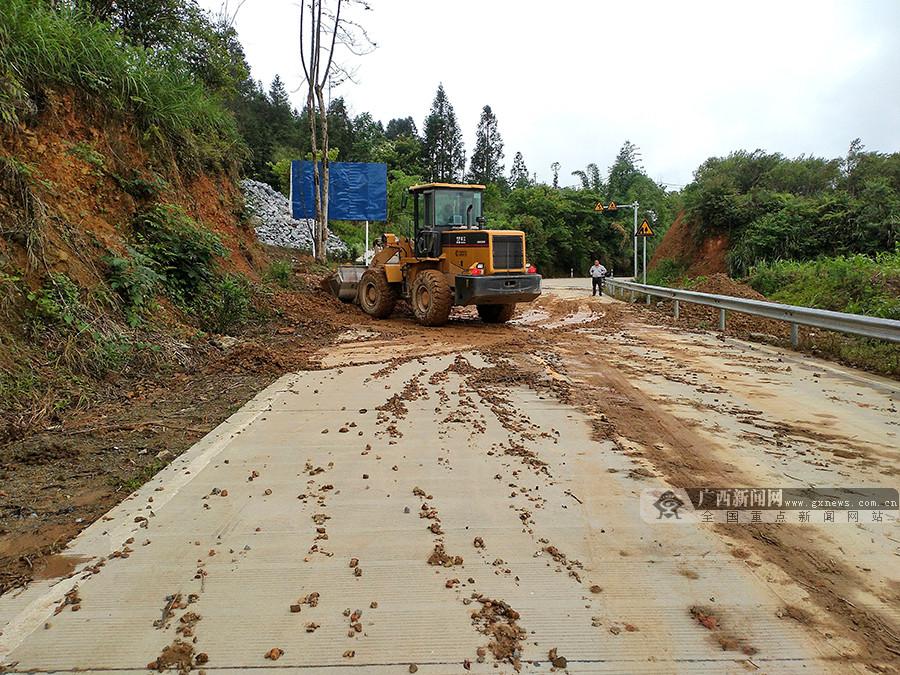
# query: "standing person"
[[597, 273]]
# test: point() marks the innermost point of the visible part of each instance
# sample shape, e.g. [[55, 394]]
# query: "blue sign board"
[[356, 190]]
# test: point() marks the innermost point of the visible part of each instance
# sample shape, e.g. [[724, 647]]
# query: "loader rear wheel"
[[375, 295], [496, 313], [431, 298]]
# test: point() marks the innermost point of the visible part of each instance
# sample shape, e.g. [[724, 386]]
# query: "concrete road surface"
[[469, 500]]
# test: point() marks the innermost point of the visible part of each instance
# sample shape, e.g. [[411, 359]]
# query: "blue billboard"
[[356, 190]]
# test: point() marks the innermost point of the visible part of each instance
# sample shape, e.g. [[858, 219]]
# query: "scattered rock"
[[557, 660], [439, 557], [276, 227], [178, 656]]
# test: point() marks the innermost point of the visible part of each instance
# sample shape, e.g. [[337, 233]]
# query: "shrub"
[[667, 272], [136, 282], [55, 303], [280, 272], [225, 304], [140, 188], [182, 252], [855, 283], [88, 154]]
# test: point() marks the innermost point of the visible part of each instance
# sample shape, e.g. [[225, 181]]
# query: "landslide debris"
[[499, 622]]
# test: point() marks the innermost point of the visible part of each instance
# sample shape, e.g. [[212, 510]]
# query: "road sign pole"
[[634, 207], [645, 259]]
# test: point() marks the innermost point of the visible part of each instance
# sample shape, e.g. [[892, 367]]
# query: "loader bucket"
[[343, 283]]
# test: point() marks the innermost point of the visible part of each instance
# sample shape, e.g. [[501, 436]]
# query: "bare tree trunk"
[[326, 169], [342, 31], [319, 248]]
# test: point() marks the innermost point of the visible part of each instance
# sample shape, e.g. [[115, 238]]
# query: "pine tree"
[[443, 155], [486, 167], [555, 169], [401, 126], [518, 175], [278, 94], [340, 128]]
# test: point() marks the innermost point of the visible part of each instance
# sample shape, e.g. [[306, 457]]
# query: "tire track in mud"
[[479, 388], [596, 386], [686, 460]]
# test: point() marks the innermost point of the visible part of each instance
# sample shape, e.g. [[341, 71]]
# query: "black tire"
[[431, 298], [375, 295], [496, 313]]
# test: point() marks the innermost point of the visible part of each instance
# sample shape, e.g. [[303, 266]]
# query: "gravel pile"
[[276, 227]]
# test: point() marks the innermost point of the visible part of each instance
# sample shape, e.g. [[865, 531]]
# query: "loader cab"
[[443, 206]]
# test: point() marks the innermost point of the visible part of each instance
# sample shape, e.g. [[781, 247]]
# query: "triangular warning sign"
[[612, 207], [645, 230], [598, 206]]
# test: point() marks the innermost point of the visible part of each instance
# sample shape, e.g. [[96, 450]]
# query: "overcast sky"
[[570, 81]]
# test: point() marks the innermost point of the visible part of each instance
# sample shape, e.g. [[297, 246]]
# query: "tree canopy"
[[443, 155], [487, 158]]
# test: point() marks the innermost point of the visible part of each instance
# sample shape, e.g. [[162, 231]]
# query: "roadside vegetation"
[[854, 283], [774, 208], [46, 48]]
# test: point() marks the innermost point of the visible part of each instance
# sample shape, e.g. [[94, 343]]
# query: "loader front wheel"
[[431, 298], [375, 295], [496, 313]]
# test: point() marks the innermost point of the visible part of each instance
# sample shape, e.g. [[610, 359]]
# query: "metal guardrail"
[[857, 324]]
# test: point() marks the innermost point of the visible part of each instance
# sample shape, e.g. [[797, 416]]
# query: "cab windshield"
[[456, 208]]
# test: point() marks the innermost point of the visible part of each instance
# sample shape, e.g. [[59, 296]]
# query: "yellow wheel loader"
[[450, 260]]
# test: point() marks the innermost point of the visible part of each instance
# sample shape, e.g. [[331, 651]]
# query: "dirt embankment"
[[91, 404], [684, 244]]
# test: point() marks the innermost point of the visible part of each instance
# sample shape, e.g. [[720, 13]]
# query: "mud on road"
[[499, 469]]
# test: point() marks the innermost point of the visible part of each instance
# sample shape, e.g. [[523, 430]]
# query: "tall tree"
[[555, 169], [322, 30], [281, 118], [518, 175], [624, 171], [340, 128], [443, 155], [401, 126], [590, 178], [486, 164], [368, 135]]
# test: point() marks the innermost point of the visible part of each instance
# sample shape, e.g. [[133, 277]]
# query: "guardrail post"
[[795, 335], [632, 296], [722, 319], [677, 308]]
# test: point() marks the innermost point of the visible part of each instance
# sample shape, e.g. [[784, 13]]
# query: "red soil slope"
[[684, 244]]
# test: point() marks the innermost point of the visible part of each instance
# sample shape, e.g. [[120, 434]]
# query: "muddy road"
[[469, 499]]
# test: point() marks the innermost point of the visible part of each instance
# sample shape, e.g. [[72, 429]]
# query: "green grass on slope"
[[44, 48]]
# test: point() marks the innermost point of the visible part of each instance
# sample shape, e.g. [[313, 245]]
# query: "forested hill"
[[182, 75]]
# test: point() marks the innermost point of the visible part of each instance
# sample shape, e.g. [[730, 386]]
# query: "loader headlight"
[[531, 269], [477, 270]]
